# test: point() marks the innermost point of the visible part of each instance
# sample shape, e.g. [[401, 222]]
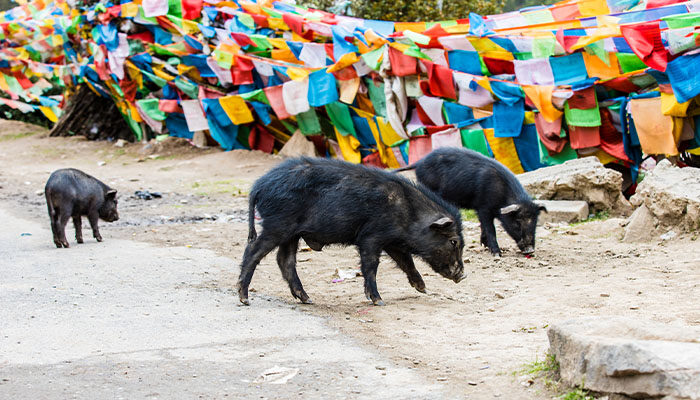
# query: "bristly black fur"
[[474, 181], [326, 201]]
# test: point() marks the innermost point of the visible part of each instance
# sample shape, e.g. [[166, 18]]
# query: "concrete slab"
[[563, 211]]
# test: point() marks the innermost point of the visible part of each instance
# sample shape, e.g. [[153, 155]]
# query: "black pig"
[[73, 193], [471, 180], [334, 202]]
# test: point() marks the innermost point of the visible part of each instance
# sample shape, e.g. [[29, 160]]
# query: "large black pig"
[[334, 202], [73, 193], [471, 180]]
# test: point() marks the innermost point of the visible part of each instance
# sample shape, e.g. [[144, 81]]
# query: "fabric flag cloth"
[[541, 97], [349, 146], [474, 139], [568, 69], [448, 138], [465, 61], [418, 147], [684, 74], [610, 137], [654, 129], [295, 96], [583, 99], [275, 97], [441, 82], [577, 117], [471, 94], [504, 151], [526, 145], [154, 8], [537, 71], [550, 134], [645, 40], [432, 106], [508, 119], [402, 65], [341, 119], [236, 109], [582, 137], [322, 89], [194, 115]]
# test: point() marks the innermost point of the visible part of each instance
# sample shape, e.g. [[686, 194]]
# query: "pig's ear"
[[111, 194], [542, 208], [511, 208], [442, 223]]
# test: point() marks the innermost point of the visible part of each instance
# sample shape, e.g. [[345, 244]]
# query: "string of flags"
[[612, 78]]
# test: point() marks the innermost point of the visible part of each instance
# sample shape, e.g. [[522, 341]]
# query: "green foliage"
[[599, 216], [549, 365], [34, 117], [412, 10], [577, 394], [469, 215], [7, 5], [514, 5]]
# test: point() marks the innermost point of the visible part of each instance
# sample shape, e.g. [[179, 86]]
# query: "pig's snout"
[[459, 277]]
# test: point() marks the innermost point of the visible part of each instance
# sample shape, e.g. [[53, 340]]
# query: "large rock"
[[672, 195], [636, 358], [563, 211], [641, 226], [579, 179], [297, 146]]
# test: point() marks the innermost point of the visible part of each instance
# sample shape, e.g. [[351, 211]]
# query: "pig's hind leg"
[[62, 217], [254, 252], [287, 261], [405, 263], [93, 217], [78, 224], [369, 262], [488, 232]]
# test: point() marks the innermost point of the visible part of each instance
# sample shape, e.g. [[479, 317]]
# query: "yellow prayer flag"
[[130, 10], [236, 109], [297, 74], [504, 151], [348, 146], [48, 112], [346, 60]]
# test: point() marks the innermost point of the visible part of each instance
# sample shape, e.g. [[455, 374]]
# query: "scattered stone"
[[632, 357], [668, 235], [471, 383], [120, 143], [499, 295], [39, 192], [298, 146], [563, 211], [641, 226], [442, 378], [672, 195], [379, 367], [604, 295], [579, 179]]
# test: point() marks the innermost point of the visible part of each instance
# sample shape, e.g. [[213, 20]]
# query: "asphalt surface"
[[127, 320]]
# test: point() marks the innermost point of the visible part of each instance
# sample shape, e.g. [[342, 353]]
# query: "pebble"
[[471, 383], [379, 367], [499, 295], [101, 163], [604, 295], [442, 378]]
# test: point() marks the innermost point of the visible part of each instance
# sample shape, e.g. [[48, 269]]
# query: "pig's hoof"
[[378, 302], [79, 240], [65, 244], [58, 244], [98, 238], [496, 253], [307, 301], [419, 286], [245, 302]]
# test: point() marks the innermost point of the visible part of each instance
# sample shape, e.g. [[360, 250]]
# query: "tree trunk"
[[92, 116]]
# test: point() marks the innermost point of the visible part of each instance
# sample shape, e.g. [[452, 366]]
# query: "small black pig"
[[73, 193], [327, 201], [471, 180]]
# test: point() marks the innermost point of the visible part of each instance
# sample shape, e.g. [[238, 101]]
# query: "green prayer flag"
[[565, 155], [597, 49], [150, 107], [175, 10], [543, 47], [308, 122], [414, 51], [630, 62], [372, 59], [246, 19], [475, 139], [155, 79], [417, 37], [576, 117], [376, 95], [188, 87], [257, 95], [261, 42], [339, 113]]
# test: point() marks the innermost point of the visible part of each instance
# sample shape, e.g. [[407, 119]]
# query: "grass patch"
[[577, 394], [599, 216], [7, 138], [220, 187], [469, 215], [538, 368]]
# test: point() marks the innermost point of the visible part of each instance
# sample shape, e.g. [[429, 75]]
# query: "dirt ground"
[[471, 337]]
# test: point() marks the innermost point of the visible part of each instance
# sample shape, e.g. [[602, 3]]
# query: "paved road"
[[123, 319]]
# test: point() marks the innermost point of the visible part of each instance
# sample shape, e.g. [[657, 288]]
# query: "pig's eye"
[[454, 243]]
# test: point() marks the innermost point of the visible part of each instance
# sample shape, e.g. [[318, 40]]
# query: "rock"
[[120, 143], [579, 179], [563, 211], [297, 146], [631, 357], [199, 139], [641, 226], [672, 195]]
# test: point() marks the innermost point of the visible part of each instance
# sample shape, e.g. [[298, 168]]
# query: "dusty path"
[[466, 339], [122, 319]]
